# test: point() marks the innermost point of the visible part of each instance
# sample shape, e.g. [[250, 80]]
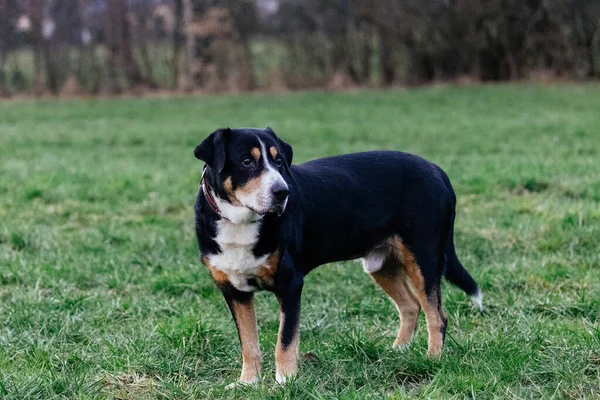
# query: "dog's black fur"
[[339, 208]]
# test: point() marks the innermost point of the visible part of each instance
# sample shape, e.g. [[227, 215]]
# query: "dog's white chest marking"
[[236, 258]]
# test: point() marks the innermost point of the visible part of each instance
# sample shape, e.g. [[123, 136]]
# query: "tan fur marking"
[[251, 186], [392, 279], [228, 186], [266, 272], [246, 322], [273, 151], [255, 153], [429, 304], [218, 276], [286, 361]]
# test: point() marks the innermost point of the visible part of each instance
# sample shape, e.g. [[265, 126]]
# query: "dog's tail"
[[456, 274]]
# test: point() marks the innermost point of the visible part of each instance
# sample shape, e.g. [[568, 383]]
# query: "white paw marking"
[[477, 298], [401, 346], [250, 382], [281, 379]]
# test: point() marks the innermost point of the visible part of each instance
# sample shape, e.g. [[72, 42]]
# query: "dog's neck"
[[235, 214], [224, 209]]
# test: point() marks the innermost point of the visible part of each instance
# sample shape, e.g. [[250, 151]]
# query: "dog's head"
[[246, 168]]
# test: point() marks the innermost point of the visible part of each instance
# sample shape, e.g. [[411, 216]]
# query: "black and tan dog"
[[263, 223]]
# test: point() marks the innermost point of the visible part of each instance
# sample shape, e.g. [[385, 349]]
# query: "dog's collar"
[[208, 194]]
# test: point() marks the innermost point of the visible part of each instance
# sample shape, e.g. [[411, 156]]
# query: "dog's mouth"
[[275, 209], [279, 208], [263, 205]]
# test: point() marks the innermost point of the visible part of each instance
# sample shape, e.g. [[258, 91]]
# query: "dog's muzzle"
[[279, 209], [280, 192]]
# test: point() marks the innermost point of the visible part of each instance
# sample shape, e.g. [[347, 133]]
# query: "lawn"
[[102, 293]]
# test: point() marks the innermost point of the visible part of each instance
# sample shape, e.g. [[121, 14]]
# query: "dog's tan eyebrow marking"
[[273, 151], [255, 153]]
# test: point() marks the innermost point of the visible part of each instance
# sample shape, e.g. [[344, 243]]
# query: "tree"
[[586, 21], [121, 62], [183, 46], [35, 10], [4, 32]]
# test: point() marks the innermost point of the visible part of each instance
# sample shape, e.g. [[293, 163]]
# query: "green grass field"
[[102, 294]]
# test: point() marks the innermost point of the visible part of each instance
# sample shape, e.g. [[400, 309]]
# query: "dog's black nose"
[[280, 191]]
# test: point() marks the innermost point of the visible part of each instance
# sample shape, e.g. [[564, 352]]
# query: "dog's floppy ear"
[[287, 149], [212, 149]]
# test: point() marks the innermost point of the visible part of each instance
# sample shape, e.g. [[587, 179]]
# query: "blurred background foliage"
[[96, 47]]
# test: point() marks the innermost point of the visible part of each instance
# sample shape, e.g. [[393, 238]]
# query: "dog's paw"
[[401, 346], [238, 384], [402, 343], [434, 354], [283, 379]]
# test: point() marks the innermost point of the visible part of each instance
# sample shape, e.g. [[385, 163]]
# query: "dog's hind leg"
[[392, 278], [425, 276]]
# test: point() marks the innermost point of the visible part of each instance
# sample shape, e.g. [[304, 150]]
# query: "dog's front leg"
[[241, 305], [286, 352]]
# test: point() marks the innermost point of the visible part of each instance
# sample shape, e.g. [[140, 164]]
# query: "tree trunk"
[[188, 82], [145, 57], [183, 46], [3, 35], [113, 38], [121, 61], [132, 70], [84, 73], [52, 56], [36, 13], [366, 51], [386, 57], [350, 49], [178, 44], [594, 46], [248, 66], [142, 39]]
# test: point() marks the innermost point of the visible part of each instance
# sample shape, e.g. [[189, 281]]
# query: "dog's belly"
[[236, 258]]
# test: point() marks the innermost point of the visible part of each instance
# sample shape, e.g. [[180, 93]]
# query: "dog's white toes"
[[282, 379], [236, 384], [401, 346]]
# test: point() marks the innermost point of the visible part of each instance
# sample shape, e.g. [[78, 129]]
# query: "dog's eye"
[[279, 161], [247, 161]]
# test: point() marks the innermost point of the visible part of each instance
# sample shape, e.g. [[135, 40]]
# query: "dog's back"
[[353, 202]]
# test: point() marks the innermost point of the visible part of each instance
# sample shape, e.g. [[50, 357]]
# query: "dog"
[[263, 224]]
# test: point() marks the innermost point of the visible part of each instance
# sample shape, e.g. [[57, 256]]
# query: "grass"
[[102, 294]]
